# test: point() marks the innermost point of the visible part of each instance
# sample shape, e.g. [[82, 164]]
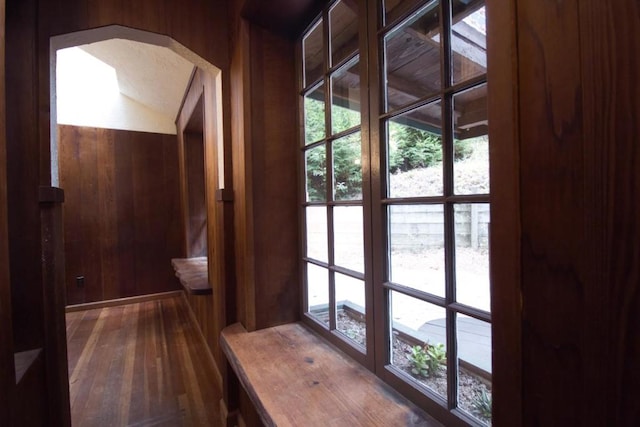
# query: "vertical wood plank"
[[506, 304], [121, 214], [7, 368], [609, 42]]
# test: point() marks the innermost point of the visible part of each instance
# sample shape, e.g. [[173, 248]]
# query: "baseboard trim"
[[122, 301]]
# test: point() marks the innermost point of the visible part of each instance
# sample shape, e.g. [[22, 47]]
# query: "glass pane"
[[469, 43], [312, 46], [418, 340], [343, 19], [395, 8], [314, 121], [348, 237], [412, 59], [414, 153], [317, 233], [472, 255], [350, 308], [318, 292], [471, 148], [347, 171], [416, 240], [474, 361], [316, 171], [345, 98]]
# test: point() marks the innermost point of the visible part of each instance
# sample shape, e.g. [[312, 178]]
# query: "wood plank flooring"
[[141, 364]]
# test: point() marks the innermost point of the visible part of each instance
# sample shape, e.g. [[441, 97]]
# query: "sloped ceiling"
[[151, 75]]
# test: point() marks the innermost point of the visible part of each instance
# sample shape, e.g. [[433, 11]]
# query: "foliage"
[[482, 402], [412, 148], [427, 359], [409, 148]]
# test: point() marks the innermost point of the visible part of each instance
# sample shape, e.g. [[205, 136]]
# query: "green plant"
[[427, 359], [482, 403]]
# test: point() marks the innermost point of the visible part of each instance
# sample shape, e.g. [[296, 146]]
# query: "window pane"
[[396, 8], [412, 59], [414, 153], [469, 43], [416, 240], [317, 248], [418, 341], [472, 254], [318, 292], [474, 361], [350, 308], [345, 98], [347, 171], [348, 237], [315, 162], [471, 148], [312, 46], [343, 19], [314, 121]]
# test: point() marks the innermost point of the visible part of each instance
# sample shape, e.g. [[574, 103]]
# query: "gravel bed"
[[469, 385]]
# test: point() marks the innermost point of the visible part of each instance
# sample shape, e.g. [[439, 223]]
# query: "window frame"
[[375, 201]]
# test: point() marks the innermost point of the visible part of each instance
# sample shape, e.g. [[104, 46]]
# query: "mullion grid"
[[328, 141], [449, 199]]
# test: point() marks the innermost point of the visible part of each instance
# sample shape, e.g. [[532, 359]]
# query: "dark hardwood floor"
[[141, 364]]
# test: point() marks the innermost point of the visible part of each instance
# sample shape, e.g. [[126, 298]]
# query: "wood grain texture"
[[506, 304], [23, 178], [140, 364], [295, 378], [211, 312], [7, 370], [265, 186], [578, 120], [54, 311], [609, 42], [121, 219]]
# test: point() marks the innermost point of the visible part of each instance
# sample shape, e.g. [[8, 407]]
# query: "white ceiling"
[[151, 75]]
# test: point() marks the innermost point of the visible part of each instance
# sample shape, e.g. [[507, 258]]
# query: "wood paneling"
[[122, 223], [285, 17], [23, 177], [196, 230], [7, 373], [54, 293], [265, 183], [215, 311], [140, 364], [506, 304], [565, 265]]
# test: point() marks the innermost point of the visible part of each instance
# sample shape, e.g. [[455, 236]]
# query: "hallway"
[[141, 364]]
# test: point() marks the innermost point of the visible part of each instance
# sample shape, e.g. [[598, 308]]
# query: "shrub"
[[482, 403], [427, 359]]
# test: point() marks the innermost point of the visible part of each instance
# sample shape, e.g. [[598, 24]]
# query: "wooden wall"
[[122, 220], [7, 369], [196, 227], [565, 121], [200, 25], [265, 179]]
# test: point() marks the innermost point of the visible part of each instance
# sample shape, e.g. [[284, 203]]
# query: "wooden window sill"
[[193, 274], [294, 377]]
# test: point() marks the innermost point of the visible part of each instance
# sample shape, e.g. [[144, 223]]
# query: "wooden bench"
[[295, 378], [193, 274]]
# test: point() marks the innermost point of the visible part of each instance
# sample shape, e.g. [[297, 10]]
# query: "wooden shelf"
[[293, 377], [193, 274]]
